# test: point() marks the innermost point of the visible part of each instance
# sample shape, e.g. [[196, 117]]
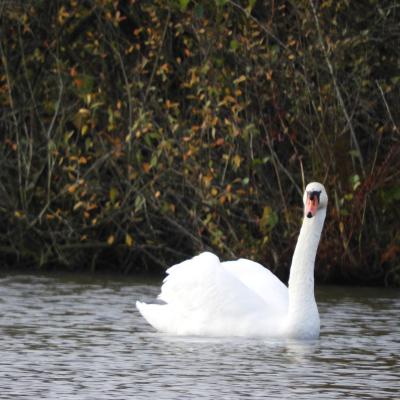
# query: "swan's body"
[[204, 296]]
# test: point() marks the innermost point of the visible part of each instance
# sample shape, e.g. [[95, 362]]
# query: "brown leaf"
[[390, 253]]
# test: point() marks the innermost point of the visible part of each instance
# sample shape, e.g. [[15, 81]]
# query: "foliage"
[[137, 133]]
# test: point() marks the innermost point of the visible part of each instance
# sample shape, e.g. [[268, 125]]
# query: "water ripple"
[[83, 339]]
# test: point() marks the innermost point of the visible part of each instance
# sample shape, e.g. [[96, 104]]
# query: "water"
[[81, 338]]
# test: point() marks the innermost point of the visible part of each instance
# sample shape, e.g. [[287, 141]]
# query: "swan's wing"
[[261, 281], [206, 296]]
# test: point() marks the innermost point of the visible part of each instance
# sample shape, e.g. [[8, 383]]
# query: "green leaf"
[[355, 181], [183, 4], [354, 153], [113, 194], [392, 195], [250, 6], [199, 11], [220, 3], [234, 44], [261, 161], [140, 201], [269, 219], [154, 160]]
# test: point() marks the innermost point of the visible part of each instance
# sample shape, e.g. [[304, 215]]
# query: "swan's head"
[[315, 199]]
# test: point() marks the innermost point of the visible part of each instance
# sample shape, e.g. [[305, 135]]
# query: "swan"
[[203, 296]]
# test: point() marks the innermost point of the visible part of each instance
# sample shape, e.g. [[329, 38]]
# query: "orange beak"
[[311, 204]]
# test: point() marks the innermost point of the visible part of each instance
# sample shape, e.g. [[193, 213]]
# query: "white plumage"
[[204, 296]]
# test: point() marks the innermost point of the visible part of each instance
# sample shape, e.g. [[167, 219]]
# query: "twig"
[[50, 162], [13, 113], [275, 160], [267, 31], [128, 92], [157, 58], [337, 90], [387, 107]]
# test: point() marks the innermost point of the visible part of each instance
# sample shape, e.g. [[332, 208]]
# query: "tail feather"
[[154, 314]]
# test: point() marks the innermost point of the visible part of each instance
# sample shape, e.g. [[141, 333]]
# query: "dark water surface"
[[82, 338]]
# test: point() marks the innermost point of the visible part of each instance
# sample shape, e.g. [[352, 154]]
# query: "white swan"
[[203, 296]]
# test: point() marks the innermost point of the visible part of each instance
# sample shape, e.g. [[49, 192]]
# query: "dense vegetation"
[[135, 133]]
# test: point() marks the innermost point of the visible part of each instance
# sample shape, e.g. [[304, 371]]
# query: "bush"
[[135, 134]]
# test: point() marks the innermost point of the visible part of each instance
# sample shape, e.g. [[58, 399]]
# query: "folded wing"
[[261, 281], [204, 296]]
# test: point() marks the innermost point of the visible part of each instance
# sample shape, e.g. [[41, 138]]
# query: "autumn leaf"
[[72, 188], [82, 160], [79, 204], [236, 160], [214, 191], [390, 253], [128, 240], [19, 214], [146, 167], [241, 78]]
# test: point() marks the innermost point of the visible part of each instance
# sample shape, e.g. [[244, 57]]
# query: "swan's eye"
[[314, 195]]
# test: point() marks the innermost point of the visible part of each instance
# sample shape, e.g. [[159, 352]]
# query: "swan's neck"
[[303, 318]]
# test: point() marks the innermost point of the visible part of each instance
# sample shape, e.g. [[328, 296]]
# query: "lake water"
[[81, 338]]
